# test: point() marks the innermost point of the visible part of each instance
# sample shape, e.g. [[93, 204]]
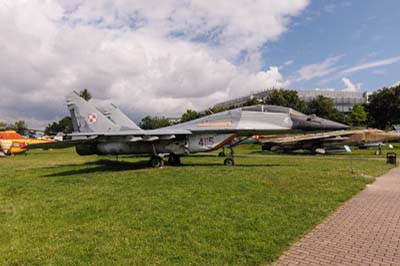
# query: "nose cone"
[[332, 125], [313, 122]]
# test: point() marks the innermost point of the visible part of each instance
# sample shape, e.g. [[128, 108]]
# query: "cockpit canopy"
[[271, 109]]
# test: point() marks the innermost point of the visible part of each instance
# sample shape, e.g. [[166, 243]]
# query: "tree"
[[324, 107], [85, 94], [287, 98], [215, 110], [189, 115], [64, 125], [3, 125], [154, 122], [251, 101], [321, 106], [384, 108], [19, 126], [358, 116]]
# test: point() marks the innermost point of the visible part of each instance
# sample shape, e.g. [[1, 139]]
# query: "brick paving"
[[364, 231]]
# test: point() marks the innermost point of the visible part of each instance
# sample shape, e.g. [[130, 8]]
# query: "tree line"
[[19, 126]]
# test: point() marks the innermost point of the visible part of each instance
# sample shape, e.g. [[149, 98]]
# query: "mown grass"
[[355, 151], [57, 208]]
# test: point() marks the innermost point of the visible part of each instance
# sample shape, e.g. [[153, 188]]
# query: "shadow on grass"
[[288, 153], [118, 166], [100, 166], [236, 165]]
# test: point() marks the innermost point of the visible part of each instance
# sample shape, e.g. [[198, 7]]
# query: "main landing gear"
[[222, 153], [157, 161], [174, 159]]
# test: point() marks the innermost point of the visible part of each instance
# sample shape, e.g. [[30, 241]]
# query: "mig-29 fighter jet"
[[112, 133]]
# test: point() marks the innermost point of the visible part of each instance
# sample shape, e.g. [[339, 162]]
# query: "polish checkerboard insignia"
[[92, 118]]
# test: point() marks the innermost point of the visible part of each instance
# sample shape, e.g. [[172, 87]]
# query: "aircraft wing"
[[129, 136], [134, 133]]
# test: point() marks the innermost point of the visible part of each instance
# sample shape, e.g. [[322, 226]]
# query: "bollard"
[[391, 157]]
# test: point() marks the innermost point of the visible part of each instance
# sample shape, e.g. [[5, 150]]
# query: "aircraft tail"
[[86, 117], [118, 117]]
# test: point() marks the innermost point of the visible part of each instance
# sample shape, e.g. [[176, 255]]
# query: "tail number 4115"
[[206, 141]]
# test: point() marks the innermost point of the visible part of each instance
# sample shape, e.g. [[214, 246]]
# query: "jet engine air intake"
[[86, 149]]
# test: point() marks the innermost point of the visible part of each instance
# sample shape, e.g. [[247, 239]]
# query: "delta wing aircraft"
[[112, 132]]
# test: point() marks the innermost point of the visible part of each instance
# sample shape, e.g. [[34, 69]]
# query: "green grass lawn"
[[356, 152], [57, 208]]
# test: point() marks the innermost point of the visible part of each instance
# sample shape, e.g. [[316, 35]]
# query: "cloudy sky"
[[163, 57]]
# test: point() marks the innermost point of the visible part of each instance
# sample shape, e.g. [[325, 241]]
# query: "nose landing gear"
[[230, 161]]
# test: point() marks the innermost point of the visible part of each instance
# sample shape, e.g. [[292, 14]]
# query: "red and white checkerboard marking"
[[92, 118]]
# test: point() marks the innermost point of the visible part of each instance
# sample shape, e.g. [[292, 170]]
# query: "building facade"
[[344, 100]]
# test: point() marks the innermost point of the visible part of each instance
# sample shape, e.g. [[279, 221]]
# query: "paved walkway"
[[364, 231]]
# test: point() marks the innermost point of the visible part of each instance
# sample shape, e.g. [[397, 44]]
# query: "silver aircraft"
[[111, 132]]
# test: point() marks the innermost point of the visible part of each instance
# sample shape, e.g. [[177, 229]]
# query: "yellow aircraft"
[[13, 143]]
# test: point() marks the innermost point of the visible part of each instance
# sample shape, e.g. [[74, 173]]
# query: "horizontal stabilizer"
[[57, 144]]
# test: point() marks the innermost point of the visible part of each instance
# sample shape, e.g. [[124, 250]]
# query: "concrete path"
[[364, 231]]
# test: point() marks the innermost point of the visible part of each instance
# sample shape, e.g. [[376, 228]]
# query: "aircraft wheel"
[[156, 162], [174, 160], [221, 154], [229, 162]]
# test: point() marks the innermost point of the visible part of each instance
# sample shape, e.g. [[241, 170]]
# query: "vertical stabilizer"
[[118, 117], [86, 117]]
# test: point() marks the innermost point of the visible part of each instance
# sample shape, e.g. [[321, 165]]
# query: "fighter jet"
[[96, 133], [327, 142]]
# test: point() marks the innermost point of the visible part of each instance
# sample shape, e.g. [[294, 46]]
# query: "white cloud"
[[330, 8], [396, 84], [350, 86], [373, 64], [288, 63], [324, 89], [149, 57], [378, 72], [318, 70]]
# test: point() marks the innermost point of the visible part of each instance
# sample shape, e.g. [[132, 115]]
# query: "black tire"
[[221, 154], [156, 162], [229, 162], [174, 160]]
